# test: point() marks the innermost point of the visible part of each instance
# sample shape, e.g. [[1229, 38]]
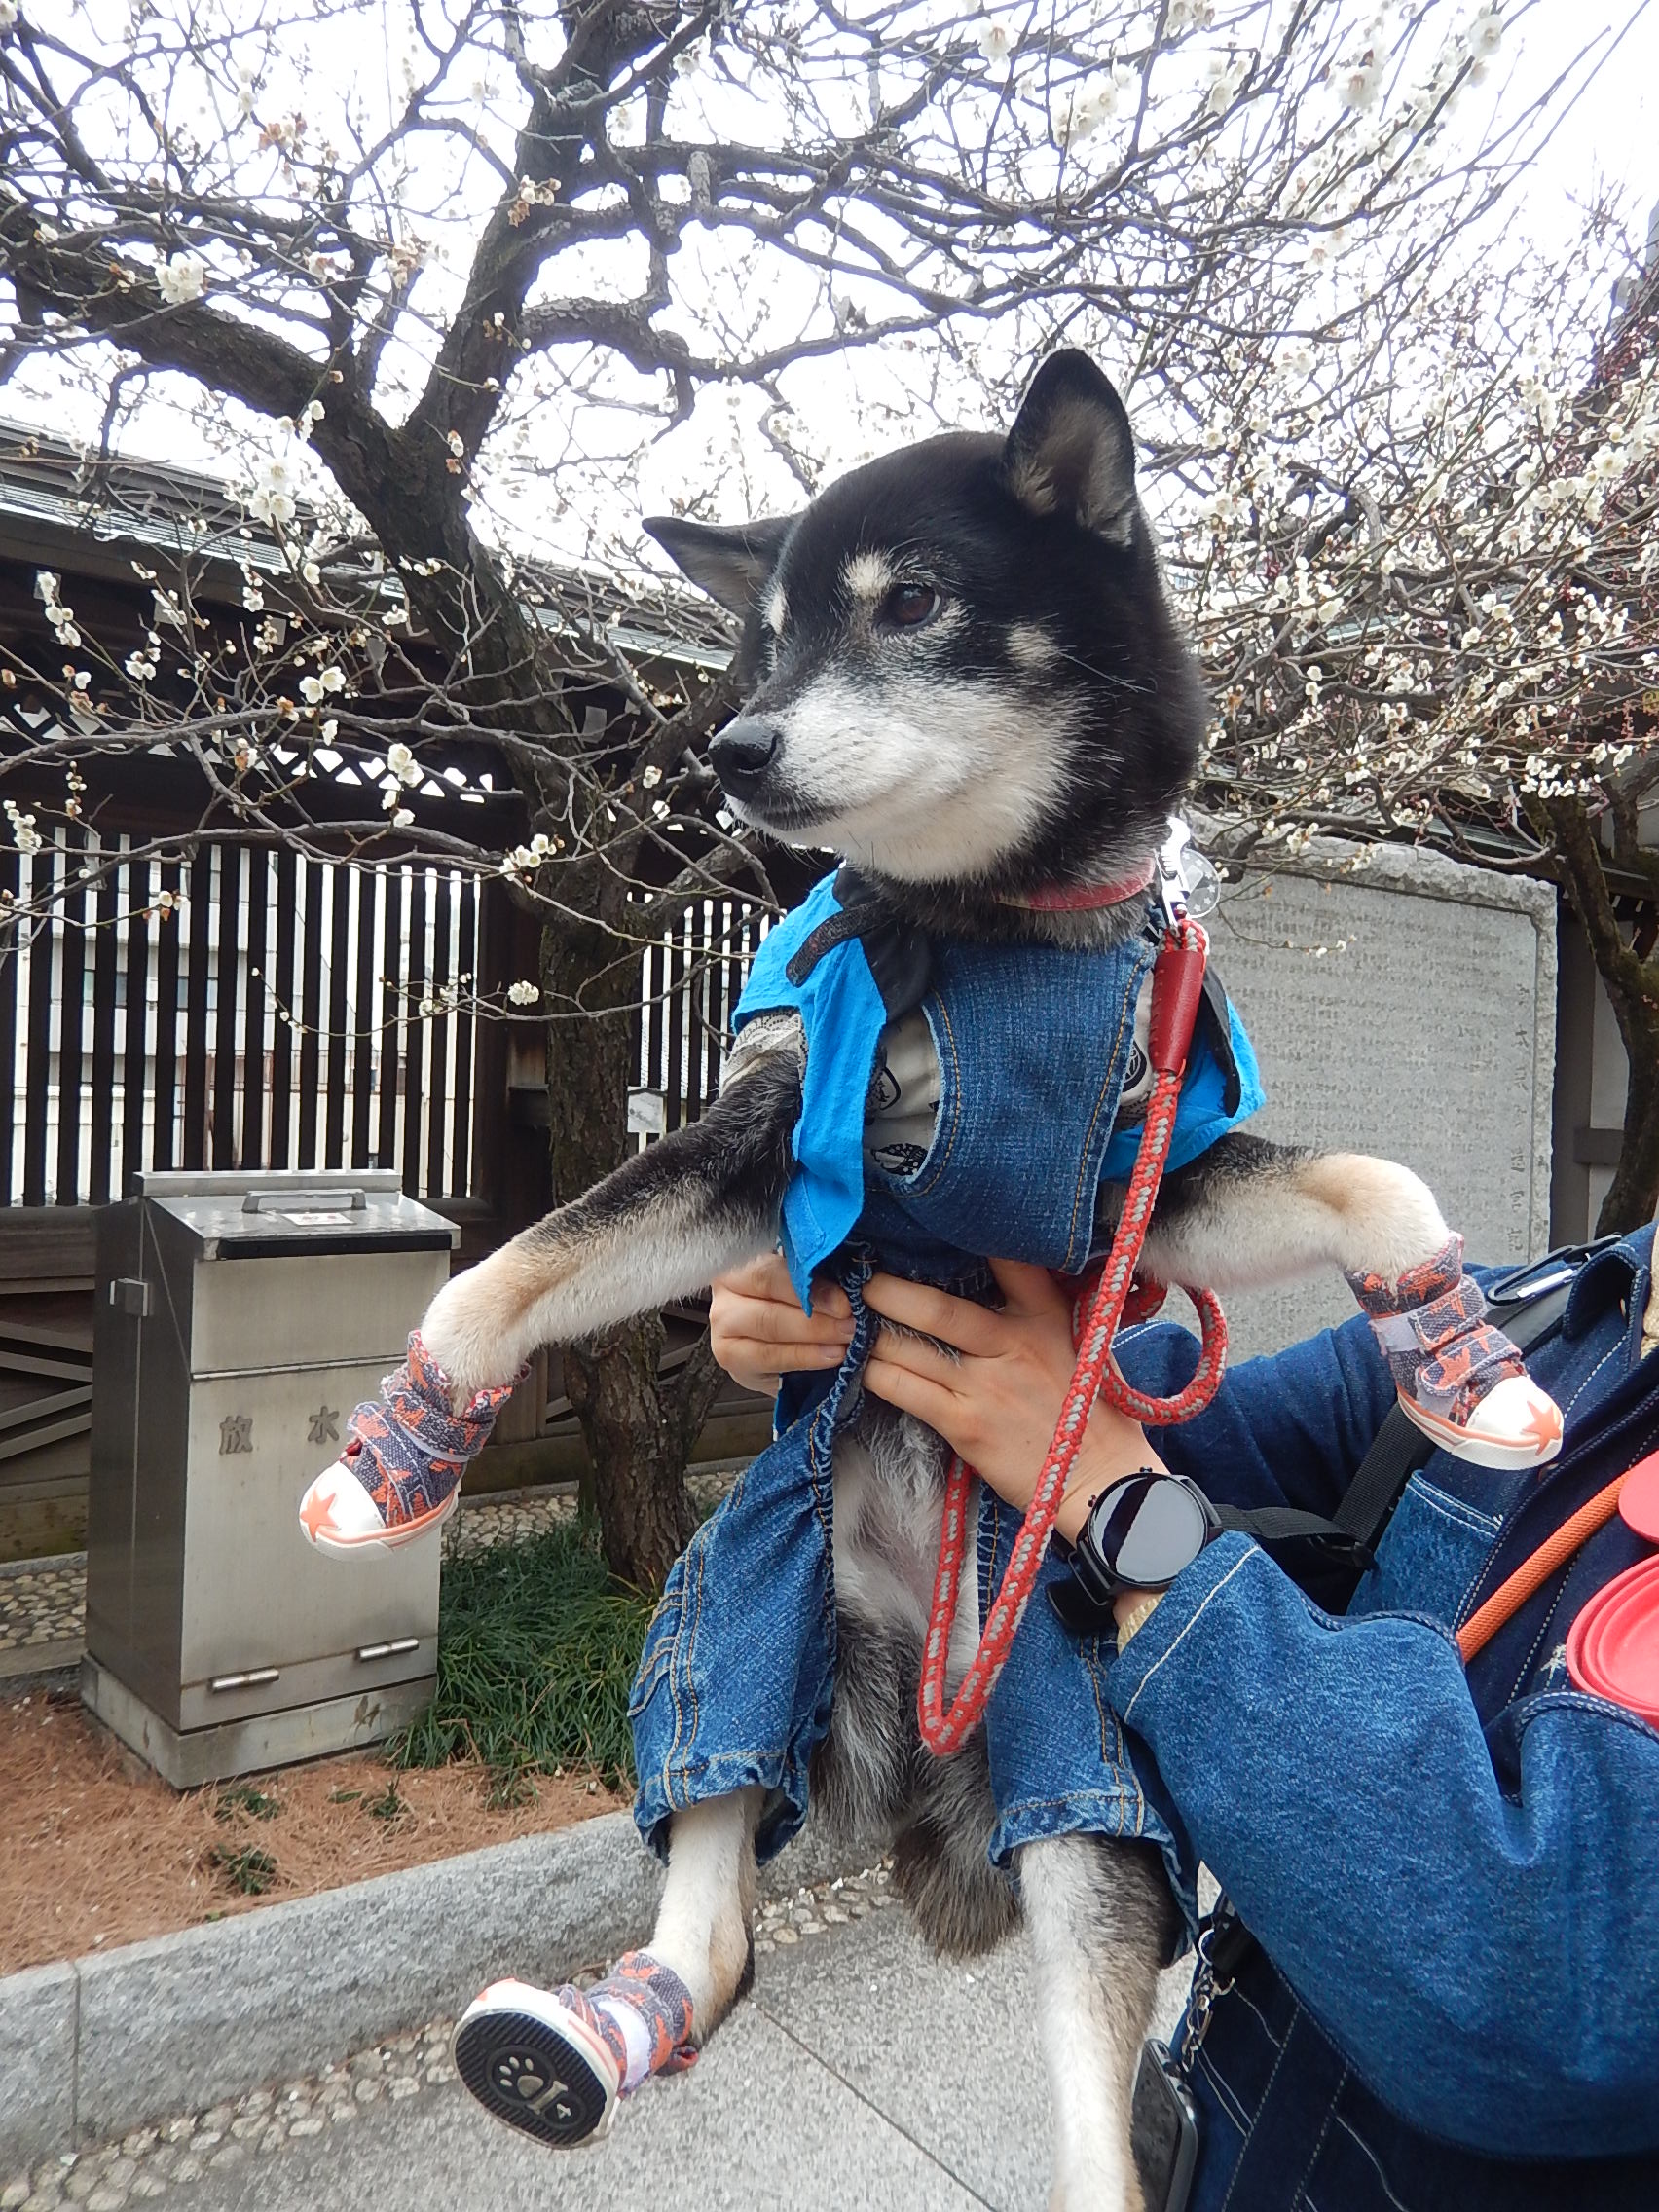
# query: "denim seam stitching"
[[923, 1190], [1348, 2129], [1477, 1586], [1232, 2109], [1267, 2099], [1126, 1012], [1584, 1701], [1301, 2199], [1237, 1567], [1589, 1378], [1454, 1509]]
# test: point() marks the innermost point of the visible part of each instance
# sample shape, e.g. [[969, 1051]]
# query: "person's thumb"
[[1026, 1288]]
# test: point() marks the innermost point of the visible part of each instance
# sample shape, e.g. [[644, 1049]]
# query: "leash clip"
[[1171, 880], [1188, 886]]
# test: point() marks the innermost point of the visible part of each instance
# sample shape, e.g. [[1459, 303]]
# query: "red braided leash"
[[1177, 983]]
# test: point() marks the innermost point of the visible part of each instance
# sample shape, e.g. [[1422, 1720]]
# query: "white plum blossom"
[[1226, 75], [402, 819], [181, 278], [1361, 83], [523, 994], [1485, 34], [1081, 110], [317, 688], [997, 41], [273, 500], [402, 763], [24, 835], [60, 618], [141, 667]]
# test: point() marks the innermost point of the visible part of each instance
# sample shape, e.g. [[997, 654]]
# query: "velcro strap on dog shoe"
[[1451, 1315], [410, 1448], [642, 2010], [1463, 1370], [1430, 1279]]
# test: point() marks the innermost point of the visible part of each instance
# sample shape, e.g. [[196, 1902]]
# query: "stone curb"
[[95, 2045]]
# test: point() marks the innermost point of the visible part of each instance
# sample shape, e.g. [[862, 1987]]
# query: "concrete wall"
[[1424, 1031]]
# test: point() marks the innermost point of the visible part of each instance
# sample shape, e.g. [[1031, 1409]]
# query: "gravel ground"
[[45, 1601], [152, 2161]]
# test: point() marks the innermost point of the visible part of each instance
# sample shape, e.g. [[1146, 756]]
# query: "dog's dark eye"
[[909, 605]]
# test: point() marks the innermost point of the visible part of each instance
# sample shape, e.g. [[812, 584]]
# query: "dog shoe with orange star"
[[399, 1475], [1460, 1380]]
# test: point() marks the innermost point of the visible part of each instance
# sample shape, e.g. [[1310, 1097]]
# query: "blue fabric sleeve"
[[1286, 1430], [1491, 1968]]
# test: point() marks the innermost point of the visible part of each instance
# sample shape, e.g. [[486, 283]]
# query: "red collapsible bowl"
[[1612, 1649], [1639, 1501]]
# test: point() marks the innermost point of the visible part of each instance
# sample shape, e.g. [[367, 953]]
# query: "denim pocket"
[[1434, 1547]]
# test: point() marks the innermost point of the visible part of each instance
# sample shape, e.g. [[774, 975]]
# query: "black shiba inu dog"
[[961, 671]]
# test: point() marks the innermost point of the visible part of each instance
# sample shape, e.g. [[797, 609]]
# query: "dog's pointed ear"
[[730, 562], [1071, 451]]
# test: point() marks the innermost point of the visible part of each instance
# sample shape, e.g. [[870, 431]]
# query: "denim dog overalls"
[[1034, 1045]]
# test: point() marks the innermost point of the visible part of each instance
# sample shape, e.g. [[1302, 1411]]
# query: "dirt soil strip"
[[98, 1851]]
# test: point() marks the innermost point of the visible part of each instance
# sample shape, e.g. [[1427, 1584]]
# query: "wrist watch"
[[1139, 1534]]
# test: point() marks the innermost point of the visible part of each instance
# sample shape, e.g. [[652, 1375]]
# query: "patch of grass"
[[243, 1798], [250, 1872], [536, 1653]]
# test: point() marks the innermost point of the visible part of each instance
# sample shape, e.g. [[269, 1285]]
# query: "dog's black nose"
[[742, 754]]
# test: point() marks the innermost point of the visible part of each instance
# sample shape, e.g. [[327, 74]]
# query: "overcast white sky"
[[1614, 130]]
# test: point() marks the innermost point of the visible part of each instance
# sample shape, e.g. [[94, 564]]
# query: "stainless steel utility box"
[[240, 1319]]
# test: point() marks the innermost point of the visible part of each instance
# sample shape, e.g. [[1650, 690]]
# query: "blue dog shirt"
[[1049, 1026]]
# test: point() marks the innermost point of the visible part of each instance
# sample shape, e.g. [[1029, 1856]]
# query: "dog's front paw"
[[399, 1475]]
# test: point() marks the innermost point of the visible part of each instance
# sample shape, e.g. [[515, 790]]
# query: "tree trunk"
[[1633, 1194], [1632, 984], [639, 1428]]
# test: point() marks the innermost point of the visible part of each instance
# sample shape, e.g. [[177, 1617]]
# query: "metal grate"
[[246, 1010]]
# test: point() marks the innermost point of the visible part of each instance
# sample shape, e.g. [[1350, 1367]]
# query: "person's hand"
[[759, 1333], [996, 1402]]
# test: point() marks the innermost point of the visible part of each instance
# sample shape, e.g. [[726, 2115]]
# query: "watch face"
[[1146, 1529]]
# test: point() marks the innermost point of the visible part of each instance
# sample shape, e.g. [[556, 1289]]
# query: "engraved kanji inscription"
[[325, 1426], [236, 1435]]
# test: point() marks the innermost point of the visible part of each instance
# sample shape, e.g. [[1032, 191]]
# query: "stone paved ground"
[[861, 2072], [43, 1601]]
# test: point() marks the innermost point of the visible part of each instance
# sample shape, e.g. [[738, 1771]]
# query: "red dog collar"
[[1088, 898]]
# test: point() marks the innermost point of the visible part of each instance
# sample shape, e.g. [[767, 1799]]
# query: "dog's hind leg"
[[1250, 1212], [662, 1225], [702, 1925], [556, 2062], [1100, 1917]]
